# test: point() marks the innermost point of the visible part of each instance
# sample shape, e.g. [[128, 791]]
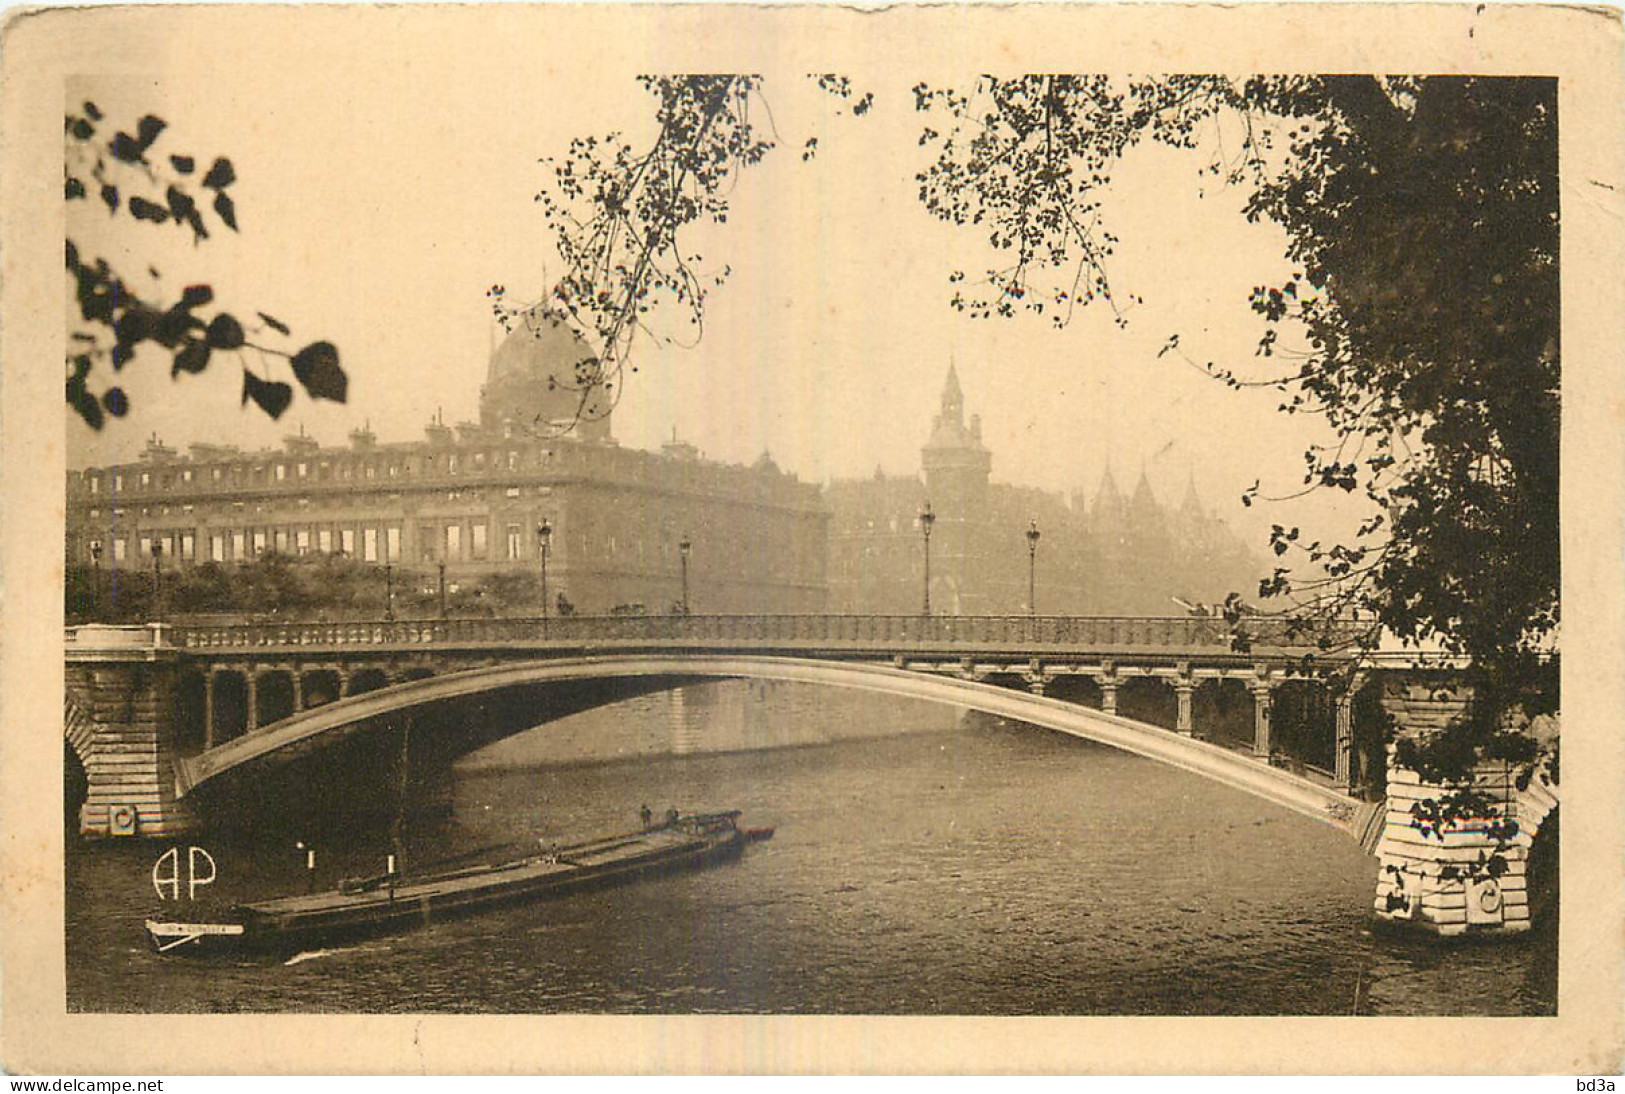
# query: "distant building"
[[472, 498], [1112, 556]]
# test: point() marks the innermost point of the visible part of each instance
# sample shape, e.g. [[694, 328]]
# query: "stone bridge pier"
[[118, 714], [1466, 874]]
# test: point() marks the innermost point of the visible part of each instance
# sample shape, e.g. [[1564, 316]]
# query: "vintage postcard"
[[812, 539]]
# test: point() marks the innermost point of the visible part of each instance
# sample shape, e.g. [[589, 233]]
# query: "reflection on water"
[[984, 870]]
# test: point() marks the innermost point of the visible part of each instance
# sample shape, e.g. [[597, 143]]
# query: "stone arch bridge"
[[163, 717]]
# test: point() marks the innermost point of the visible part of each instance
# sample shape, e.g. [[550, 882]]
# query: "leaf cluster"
[[620, 214], [131, 178], [1421, 319]]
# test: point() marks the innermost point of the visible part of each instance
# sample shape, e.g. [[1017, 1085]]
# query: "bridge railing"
[[880, 631]]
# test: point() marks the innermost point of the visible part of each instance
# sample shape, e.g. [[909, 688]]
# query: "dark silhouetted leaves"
[[83, 130], [73, 188], [176, 325], [142, 209], [94, 112], [110, 196], [193, 358], [195, 296], [85, 403], [116, 402], [226, 211], [181, 205], [147, 130], [182, 164], [73, 256], [275, 324], [220, 175], [136, 325], [225, 332], [271, 397], [317, 367], [125, 147]]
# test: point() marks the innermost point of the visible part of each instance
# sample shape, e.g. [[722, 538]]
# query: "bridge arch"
[[306, 730]]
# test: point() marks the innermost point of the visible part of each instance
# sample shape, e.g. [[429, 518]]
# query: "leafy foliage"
[[1421, 320], [620, 214], [114, 321]]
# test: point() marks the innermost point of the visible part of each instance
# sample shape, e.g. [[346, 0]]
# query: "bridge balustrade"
[[1020, 631]]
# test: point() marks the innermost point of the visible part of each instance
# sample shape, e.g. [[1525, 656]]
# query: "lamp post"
[[683, 548], [389, 591], [544, 543], [96, 580], [442, 590], [1032, 567], [927, 519], [157, 581]]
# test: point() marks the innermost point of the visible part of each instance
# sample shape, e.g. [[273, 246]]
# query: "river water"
[[988, 869]]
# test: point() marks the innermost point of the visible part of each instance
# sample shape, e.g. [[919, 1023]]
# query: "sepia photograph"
[[680, 514]]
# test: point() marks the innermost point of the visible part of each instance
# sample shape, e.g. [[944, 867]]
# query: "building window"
[[281, 472], [369, 544], [302, 539], [146, 547], [188, 546], [371, 471], [454, 541], [239, 546], [478, 545], [394, 470], [324, 541], [393, 544], [95, 485], [118, 484], [217, 547], [93, 548], [347, 541], [217, 474], [303, 468], [146, 480], [426, 542], [259, 542], [281, 541], [451, 464], [513, 543]]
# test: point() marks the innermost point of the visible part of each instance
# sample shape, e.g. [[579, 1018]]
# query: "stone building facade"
[[1111, 556], [472, 498]]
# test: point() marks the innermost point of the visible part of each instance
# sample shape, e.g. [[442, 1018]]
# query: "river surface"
[[990, 869]]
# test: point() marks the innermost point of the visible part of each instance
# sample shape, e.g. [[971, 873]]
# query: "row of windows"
[[436, 541], [293, 470], [320, 470]]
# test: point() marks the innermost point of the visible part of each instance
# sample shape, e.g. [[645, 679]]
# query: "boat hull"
[[301, 922]]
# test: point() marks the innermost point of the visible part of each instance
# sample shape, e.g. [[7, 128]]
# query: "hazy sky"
[[383, 190]]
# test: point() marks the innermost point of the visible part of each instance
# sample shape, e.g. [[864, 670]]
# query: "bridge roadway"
[[278, 689]]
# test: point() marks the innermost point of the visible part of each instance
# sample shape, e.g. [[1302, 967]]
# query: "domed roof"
[[534, 377]]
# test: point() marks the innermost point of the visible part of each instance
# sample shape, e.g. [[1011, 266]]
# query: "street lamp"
[[442, 590], [927, 519], [96, 580], [1032, 566], [544, 542], [683, 548], [389, 591], [157, 581]]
